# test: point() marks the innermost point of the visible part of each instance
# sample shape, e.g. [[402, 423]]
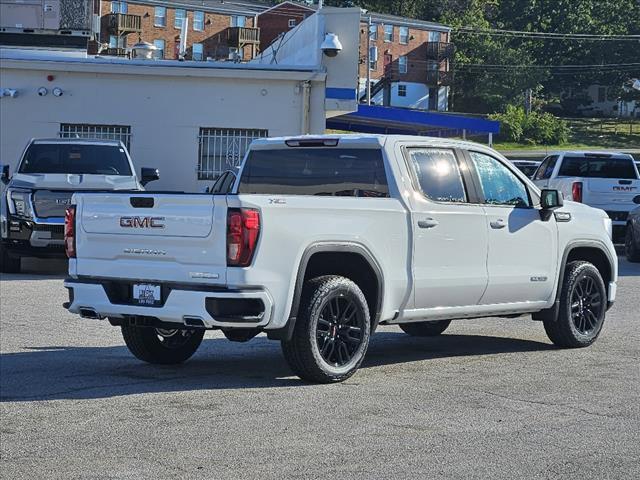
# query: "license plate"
[[146, 294]]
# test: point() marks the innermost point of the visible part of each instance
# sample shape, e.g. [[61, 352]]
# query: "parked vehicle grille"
[[57, 231], [618, 216]]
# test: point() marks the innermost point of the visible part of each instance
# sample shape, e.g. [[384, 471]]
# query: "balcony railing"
[[439, 77], [440, 50], [122, 23], [240, 36]]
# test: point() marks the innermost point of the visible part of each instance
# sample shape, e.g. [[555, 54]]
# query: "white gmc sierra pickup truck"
[[605, 180], [322, 239]]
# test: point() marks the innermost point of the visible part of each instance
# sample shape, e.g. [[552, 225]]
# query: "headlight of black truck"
[[19, 203]]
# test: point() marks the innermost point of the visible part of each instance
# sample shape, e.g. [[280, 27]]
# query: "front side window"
[[500, 186], [324, 172], [388, 33], [197, 52], [160, 17], [198, 21], [159, 52], [76, 159], [596, 167], [181, 14], [403, 64], [238, 21], [438, 174], [404, 35]]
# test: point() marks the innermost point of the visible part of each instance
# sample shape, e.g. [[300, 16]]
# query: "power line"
[[544, 35]]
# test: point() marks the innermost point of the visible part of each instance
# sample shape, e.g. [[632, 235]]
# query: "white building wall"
[[165, 107]]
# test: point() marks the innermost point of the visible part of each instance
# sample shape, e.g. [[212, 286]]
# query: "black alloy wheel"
[[339, 331]]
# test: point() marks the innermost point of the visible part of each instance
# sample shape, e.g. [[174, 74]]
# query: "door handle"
[[428, 223], [498, 224]]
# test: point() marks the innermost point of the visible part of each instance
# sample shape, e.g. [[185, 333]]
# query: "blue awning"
[[402, 121]]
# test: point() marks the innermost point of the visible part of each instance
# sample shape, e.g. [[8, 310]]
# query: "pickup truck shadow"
[[50, 373]]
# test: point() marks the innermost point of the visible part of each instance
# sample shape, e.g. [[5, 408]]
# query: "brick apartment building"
[[409, 60], [217, 29]]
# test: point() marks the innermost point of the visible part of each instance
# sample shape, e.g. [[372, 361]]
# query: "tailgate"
[[610, 193], [165, 237]]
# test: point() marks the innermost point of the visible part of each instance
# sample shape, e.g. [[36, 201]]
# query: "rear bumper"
[[197, 306]]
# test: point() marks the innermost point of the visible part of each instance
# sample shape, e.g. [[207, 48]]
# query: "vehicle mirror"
[[4, 176], [636, 199], [551, 199], [149, 175]]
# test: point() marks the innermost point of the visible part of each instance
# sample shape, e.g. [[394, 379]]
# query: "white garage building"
[[191, 120]]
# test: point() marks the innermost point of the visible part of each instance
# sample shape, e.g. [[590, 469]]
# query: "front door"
[[449, 232], [523, 248]]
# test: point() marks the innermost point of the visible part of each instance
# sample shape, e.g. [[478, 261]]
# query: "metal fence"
[[100, 132], [222, 149]]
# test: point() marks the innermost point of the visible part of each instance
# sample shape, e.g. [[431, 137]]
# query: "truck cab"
[[50, 171]]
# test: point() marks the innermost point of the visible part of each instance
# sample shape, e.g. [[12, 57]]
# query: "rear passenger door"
[[523, 248], [449, 231]]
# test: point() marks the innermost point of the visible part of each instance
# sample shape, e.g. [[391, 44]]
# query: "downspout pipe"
[[305, 128]]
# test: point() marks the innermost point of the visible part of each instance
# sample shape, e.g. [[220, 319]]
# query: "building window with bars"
[[222, 149], [99, 132], [181, 14], [160, 17], [198, 21], [292, 22], [403, 64]]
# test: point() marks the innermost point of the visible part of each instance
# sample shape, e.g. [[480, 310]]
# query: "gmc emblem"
[[624, 189], [142, 222]]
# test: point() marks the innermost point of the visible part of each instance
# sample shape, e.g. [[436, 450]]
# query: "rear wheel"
[[425, 329], [631, 248], [162, 346], [331, 335], [583, 305], [8, 263]]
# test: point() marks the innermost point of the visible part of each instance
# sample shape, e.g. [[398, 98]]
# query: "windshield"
[[598, 168], [77, 159], [339, 172]]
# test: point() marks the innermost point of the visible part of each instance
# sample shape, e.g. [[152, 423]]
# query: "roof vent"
[[143, 51]]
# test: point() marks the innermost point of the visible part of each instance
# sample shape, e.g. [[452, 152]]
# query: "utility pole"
[[368, 66], [319, 4]]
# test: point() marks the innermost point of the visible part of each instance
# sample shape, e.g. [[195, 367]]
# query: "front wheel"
[[631, 248], [583, 305], [425, 329], [161, 346], [331, 335]]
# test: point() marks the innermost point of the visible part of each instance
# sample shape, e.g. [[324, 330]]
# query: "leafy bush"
[[535, 128]]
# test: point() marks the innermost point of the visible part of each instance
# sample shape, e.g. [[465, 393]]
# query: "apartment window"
[[373, 31], [159, 53], [101, 132], [292, 22], [181, 14], [402, 64], [197, 52], [160, 17], [373, 58], [388, 33], [238, 21], [402, 90], [404, 35], [198, 21], [119, 7], [222, 149], [434, 36]]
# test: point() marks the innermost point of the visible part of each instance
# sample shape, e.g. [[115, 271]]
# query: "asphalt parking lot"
[[489, 399]]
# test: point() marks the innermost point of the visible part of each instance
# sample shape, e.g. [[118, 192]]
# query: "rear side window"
[[592, 167], [438, 174], [76, 159], [333, 172]]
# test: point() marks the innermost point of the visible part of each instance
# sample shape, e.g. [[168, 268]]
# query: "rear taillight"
[[576, 191], [243, 230], [70, 231]]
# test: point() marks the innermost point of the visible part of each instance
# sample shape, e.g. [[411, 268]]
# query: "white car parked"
[[603, 180], [324, 238]]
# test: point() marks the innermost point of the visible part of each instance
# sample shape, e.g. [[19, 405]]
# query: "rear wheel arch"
[[350, 260]]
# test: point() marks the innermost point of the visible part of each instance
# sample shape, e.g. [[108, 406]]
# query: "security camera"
[[331, 45]]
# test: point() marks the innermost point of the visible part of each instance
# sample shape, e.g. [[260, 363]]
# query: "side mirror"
[[149, 175], [551, 199], [4, 176], [636, 199]]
